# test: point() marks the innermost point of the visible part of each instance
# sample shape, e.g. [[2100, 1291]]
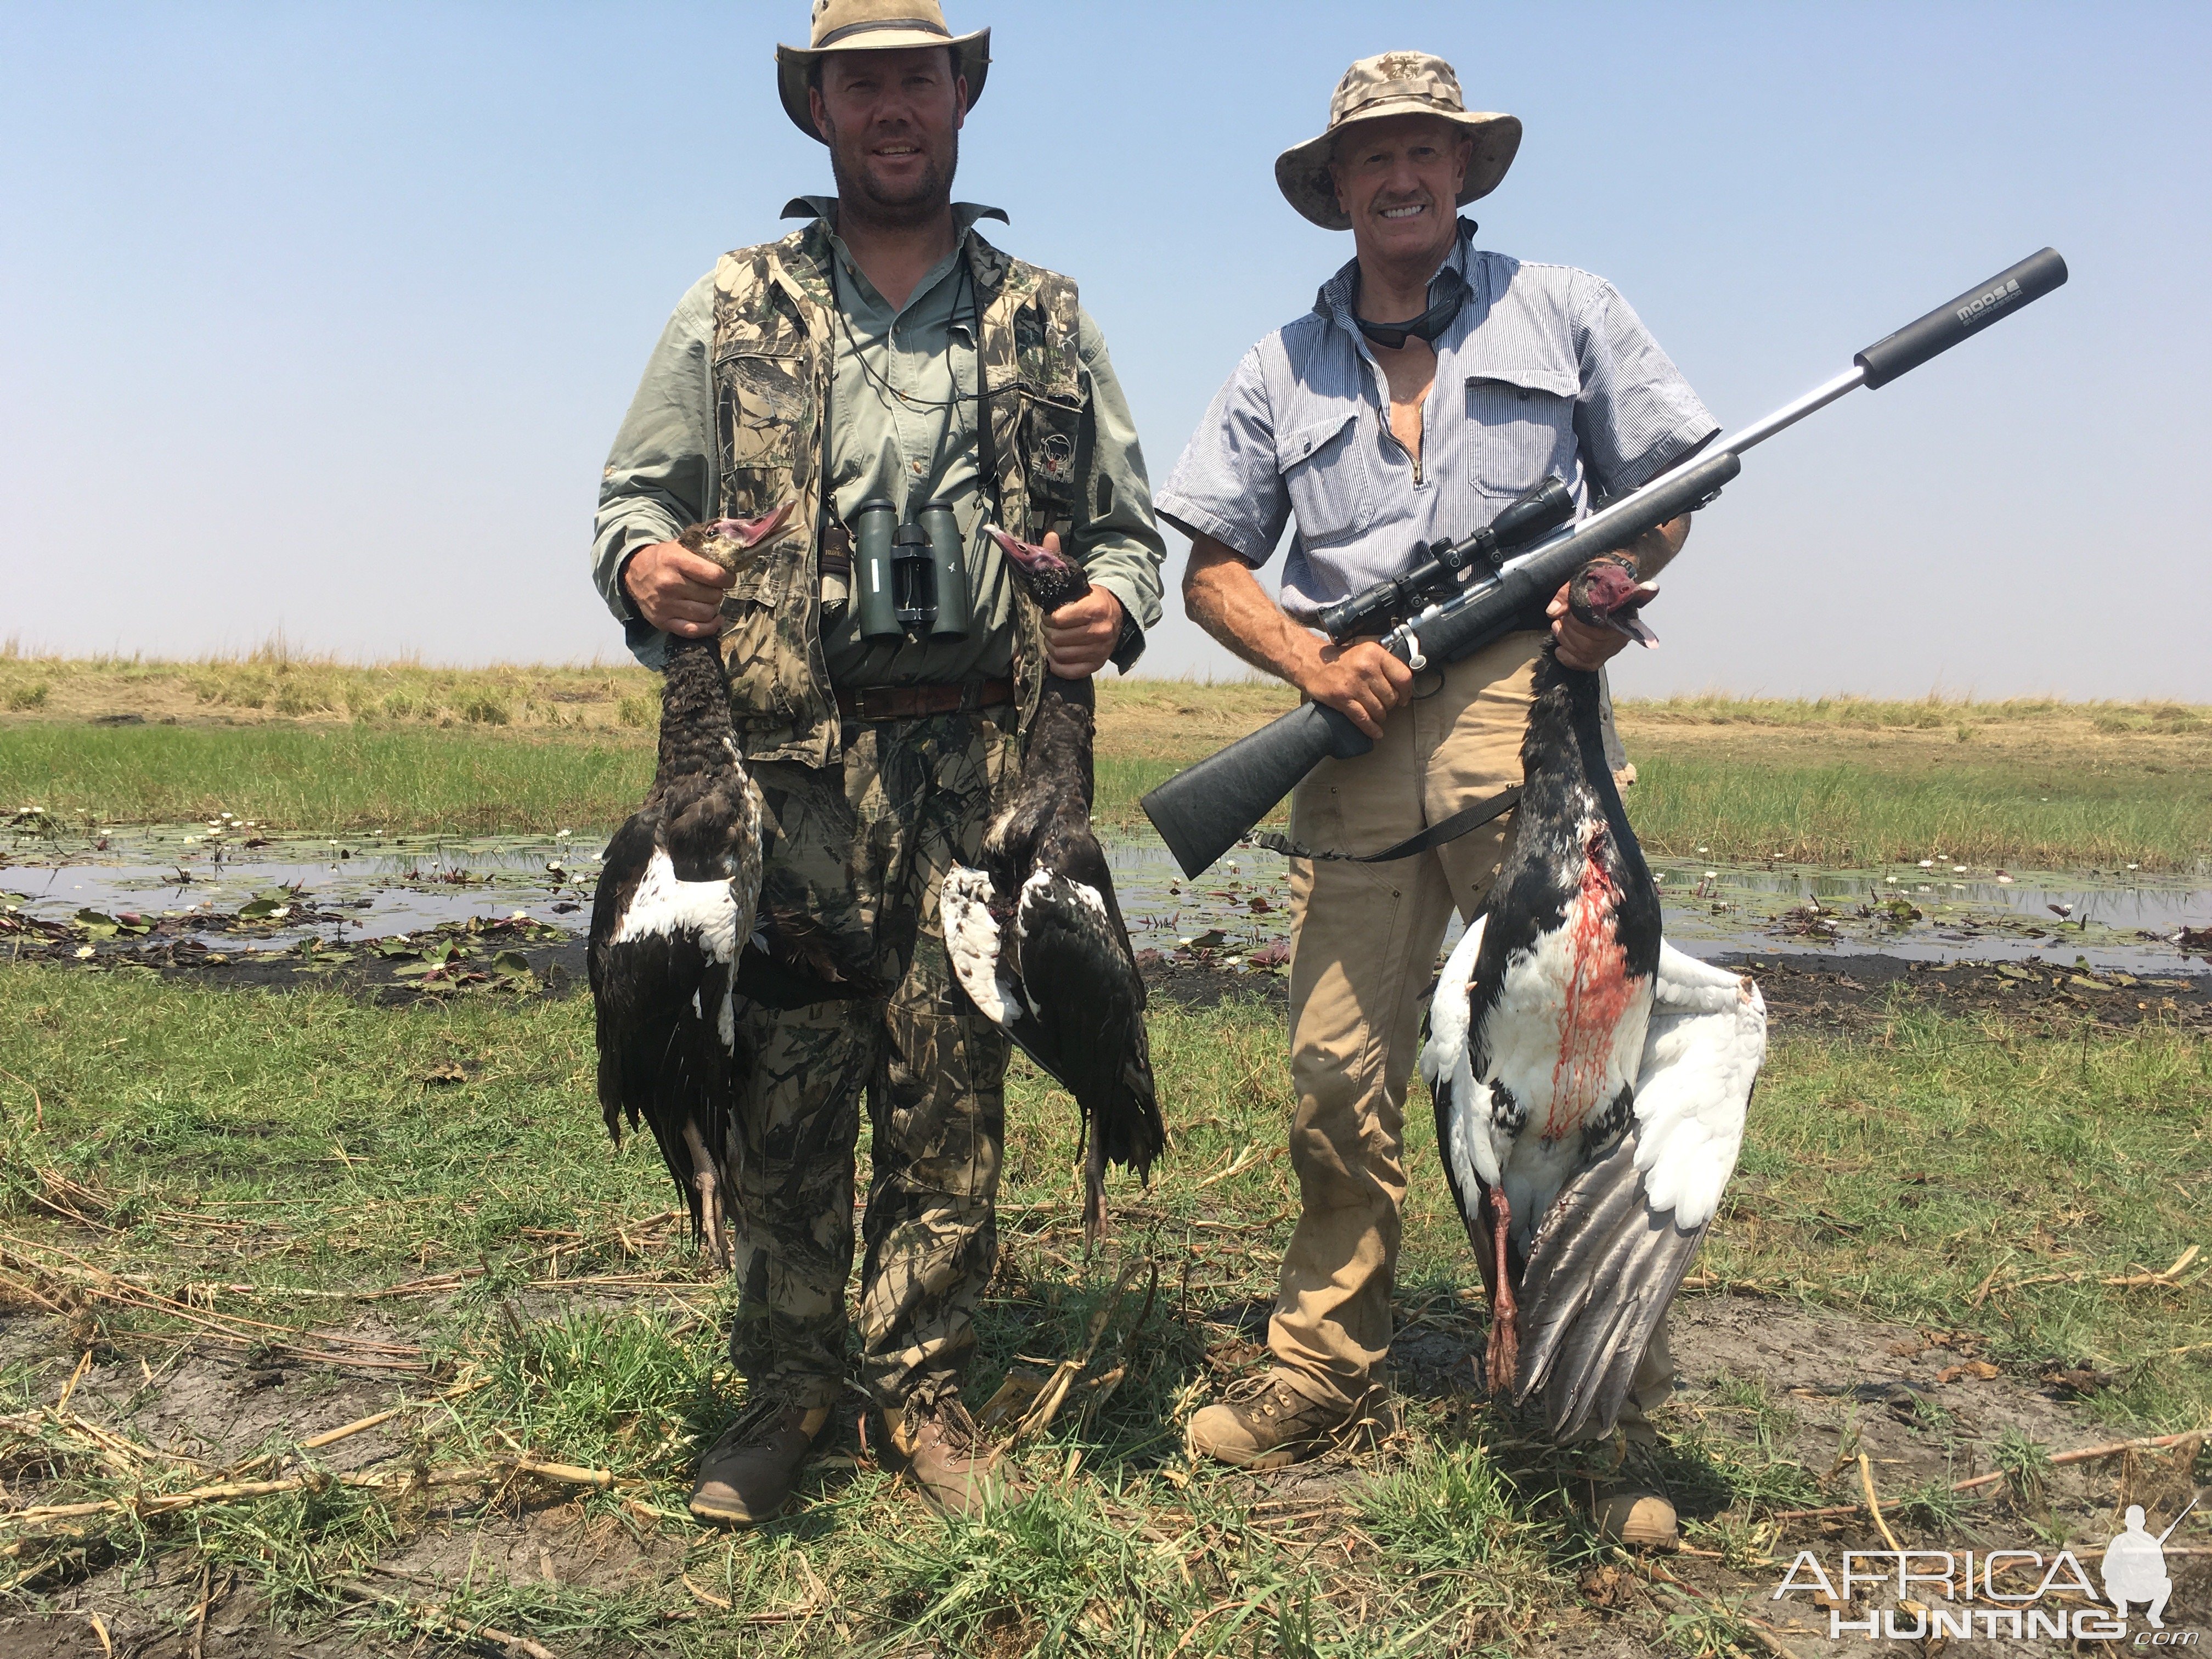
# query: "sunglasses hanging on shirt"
[[1448, 292]]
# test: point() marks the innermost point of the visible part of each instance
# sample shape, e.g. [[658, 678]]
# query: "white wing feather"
[[1447, 1067], [1702, 1053], [971, 940]]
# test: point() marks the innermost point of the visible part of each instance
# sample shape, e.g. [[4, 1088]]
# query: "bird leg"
[[713, 1206], [1502, 1361], [1094, 1188]]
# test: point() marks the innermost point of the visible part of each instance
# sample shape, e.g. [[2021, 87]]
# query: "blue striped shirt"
[[1545, 370]]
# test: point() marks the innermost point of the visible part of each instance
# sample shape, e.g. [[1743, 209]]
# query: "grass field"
[[1842, 781], [193, 1173], [232, 1222]]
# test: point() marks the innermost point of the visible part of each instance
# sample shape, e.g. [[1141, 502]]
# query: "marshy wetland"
[[297, 1136]]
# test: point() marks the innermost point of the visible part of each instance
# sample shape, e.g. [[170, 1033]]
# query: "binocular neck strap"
[[986, 449]]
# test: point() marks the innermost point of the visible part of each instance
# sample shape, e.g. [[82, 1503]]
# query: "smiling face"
[[1398, 181], [892, 121]]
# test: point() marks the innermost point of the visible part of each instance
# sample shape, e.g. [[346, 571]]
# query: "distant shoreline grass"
[[1843, 781]]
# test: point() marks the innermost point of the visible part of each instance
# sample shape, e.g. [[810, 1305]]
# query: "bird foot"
[[714, 1205], [1502, 1361], [1094, 1193]]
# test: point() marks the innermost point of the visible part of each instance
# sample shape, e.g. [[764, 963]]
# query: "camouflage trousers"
[[865, 850]]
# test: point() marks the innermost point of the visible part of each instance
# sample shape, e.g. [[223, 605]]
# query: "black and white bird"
[[1035, 934], [1591, 1080], [676, 910]]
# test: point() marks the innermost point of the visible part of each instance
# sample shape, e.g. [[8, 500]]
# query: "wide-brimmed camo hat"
[[874, 25], [1395, 83]]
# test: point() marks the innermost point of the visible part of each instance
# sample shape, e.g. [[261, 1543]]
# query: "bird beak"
[[1632, 622], [1020, 551], [751, 533]]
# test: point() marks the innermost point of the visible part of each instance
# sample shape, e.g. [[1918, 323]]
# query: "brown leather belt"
[[913, 702]]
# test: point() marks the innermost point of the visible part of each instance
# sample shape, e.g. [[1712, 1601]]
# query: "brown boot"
[[1266, 1424], [1637, 1517], [747, 1475], [946, 1455]]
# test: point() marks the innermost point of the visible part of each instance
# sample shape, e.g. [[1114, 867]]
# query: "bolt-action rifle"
[[1205, 809]]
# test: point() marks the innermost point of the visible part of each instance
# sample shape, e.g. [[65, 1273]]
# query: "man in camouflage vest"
[[884, 351]]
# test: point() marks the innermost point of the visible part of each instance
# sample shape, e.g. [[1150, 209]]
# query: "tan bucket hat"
[[874, 25], [1395, 83]]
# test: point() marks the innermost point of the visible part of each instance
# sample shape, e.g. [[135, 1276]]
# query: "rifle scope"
[[1438, 566]]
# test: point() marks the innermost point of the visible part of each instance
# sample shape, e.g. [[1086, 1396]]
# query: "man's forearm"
[[1655, 549], [1223, 597]]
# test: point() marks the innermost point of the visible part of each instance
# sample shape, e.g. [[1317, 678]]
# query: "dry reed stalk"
[[399, 1484], [442, 1621], [1874, 1503], [2085, 1455]]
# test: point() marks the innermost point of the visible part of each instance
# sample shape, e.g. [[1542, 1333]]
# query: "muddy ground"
[[1804, 991], [1820, 1389]]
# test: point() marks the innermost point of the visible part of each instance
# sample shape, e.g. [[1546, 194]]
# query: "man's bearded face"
[[892, 120]]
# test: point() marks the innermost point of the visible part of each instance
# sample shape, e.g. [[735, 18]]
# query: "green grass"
[[2033, 785], [304, 776], [298, 1143], [335, 777], [1866, 810]]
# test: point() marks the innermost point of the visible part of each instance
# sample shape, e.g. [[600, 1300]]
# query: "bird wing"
[[1608, 1253], [1065, 989], [980, 960], [1462, 1099], [659, 956], [1082, 1016]]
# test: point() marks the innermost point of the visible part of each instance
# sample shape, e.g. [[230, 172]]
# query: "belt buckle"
[[870, 702]]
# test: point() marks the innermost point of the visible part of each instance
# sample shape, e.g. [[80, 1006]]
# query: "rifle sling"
[[1467, 818]]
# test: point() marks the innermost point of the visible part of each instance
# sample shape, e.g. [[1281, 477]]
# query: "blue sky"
[[321, 318]]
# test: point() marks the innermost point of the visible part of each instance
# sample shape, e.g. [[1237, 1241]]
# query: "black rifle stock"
[[1205, 809]]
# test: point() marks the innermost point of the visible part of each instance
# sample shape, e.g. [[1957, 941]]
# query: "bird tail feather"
[[1602, 1269]]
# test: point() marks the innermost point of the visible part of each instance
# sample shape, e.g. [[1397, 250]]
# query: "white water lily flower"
[[83, 951]]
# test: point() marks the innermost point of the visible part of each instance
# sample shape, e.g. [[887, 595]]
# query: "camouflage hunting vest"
[[774, 351]]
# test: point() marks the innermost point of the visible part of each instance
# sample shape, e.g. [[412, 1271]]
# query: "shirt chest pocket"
[[1521, 429], [1325, 473]]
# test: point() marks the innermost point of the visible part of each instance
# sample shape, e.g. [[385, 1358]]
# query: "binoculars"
[[911, 577], [1437, 571]]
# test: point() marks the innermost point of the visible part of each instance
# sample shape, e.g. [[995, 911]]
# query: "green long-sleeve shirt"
[[901, 425]]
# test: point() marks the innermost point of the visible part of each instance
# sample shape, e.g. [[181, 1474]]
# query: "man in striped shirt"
[[1431, 385]]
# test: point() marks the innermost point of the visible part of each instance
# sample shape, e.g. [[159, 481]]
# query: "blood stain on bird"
[[1563, 1006]]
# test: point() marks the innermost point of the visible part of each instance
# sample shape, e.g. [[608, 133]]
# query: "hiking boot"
[[938, 1444], [1264, 1424], [1635, 1517], [746, 1476]]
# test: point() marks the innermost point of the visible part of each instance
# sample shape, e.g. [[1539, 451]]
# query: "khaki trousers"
[[1364, 943]]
